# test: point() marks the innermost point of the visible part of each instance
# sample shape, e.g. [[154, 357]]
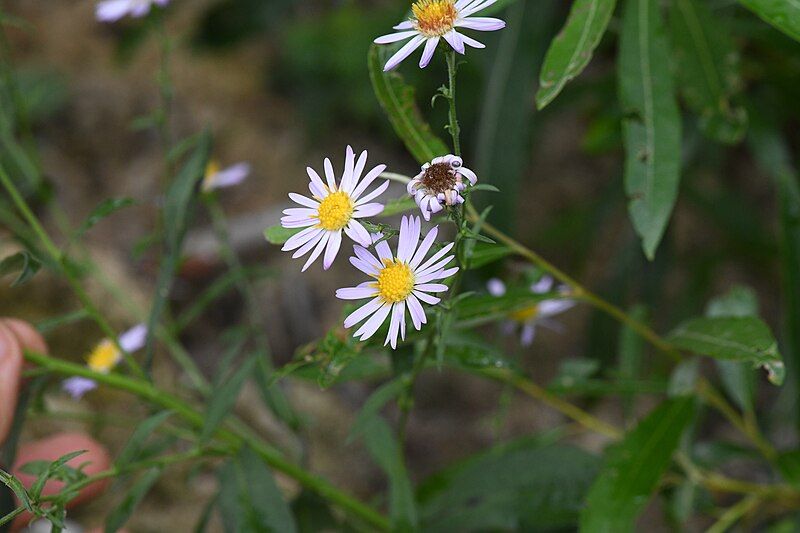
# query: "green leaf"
[[525, 485], [397, 99], [133, 498], [708, 70], [397, 206], [23, 262], [54, 469], [572, 48], [733, 338], [738, 377], [104, 209], [133, 449], [652, 124], [312, 514], [631, 351], [782, 14], [372, 407], [384, 448], [484, 187], [17, 488], [633, 468], [469, 351], [223, 399], [483, 254], [279, 235]]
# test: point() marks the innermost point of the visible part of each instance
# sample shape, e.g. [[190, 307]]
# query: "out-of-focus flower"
[[216, 178], [440, 183], [399, 282], [104, 357], [113, 10], [538, 314], [333, 209], [436, 19]]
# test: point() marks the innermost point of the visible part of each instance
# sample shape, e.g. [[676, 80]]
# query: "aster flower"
[[216, 178], [113, 10], [440, 183], [399, 282], [538, 314], [104, 357], [436, 19], [333, 209]]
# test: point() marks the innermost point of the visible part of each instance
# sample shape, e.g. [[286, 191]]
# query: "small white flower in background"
[[538, 314], [440, 183], [333, 209], [104, 357], [399, 281], [216, 178], [436, 19], [113, 10]]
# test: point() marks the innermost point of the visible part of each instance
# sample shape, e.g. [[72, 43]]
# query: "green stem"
[[453, 127], [59, 260], [236, 437]]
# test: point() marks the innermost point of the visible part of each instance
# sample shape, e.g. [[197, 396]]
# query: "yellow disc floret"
[[104, 357], [335, 211], [525, 314], [434, 17], [395, 281]]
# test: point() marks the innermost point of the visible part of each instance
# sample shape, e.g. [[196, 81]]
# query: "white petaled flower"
[[334, 208], [535, 315], [216, 178], [440, 183], [104, 357], [399, 282], [113, 10], [433, 20]]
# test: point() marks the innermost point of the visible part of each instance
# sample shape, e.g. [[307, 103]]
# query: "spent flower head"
[[113, 10], [333, 209], [440, 183], [104, 357], [433, 20], [399, 282]]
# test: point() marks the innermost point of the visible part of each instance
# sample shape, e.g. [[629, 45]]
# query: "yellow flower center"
[[211, 169], [104, 357], [395, 281], [335, 211], [434, 17], [524, 314]]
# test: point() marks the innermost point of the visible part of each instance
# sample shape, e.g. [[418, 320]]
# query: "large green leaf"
[[708, 69], [633, 468], [782, 14], [526, 485], [397, 99], [572, 48], [652, 124], [733, 338]]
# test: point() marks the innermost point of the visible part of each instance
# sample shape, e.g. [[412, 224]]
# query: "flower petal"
[[317, 250], [299, 239], [330, 176], [316, 186], [371, 326], [394, 37], [431, 287], [133, 339], [427, 53], [357, 232], [423, 249], [356, 293], [416, 311], [303, 200], [404, 52], [367, 210], [349, 164], [334, 242], [374, 194], [369, 178], [454, 39], [481, 24], [427, 298], [435, 257], [496, 287], [362, 312]]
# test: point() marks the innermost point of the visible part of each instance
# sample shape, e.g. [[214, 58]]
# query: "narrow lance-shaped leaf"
[[138, 491], [24, 262], [572, 48], [708, 70], [397, 99], [633, 468], [223, 399], [733, 338], [652, 123], [782, 14]]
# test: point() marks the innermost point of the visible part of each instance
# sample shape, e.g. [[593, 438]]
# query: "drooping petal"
[[394, 37], [358, 233], [427, 52], [317, 250], [453, 38], [362, 312], [299, 239], [416, 311], [334, 242], [369, 327], [470, 175], [481, 24], [404, 52]]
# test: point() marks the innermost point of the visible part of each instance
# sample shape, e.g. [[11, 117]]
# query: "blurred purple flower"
[[77, 386], [113, 10], [227, 177]]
